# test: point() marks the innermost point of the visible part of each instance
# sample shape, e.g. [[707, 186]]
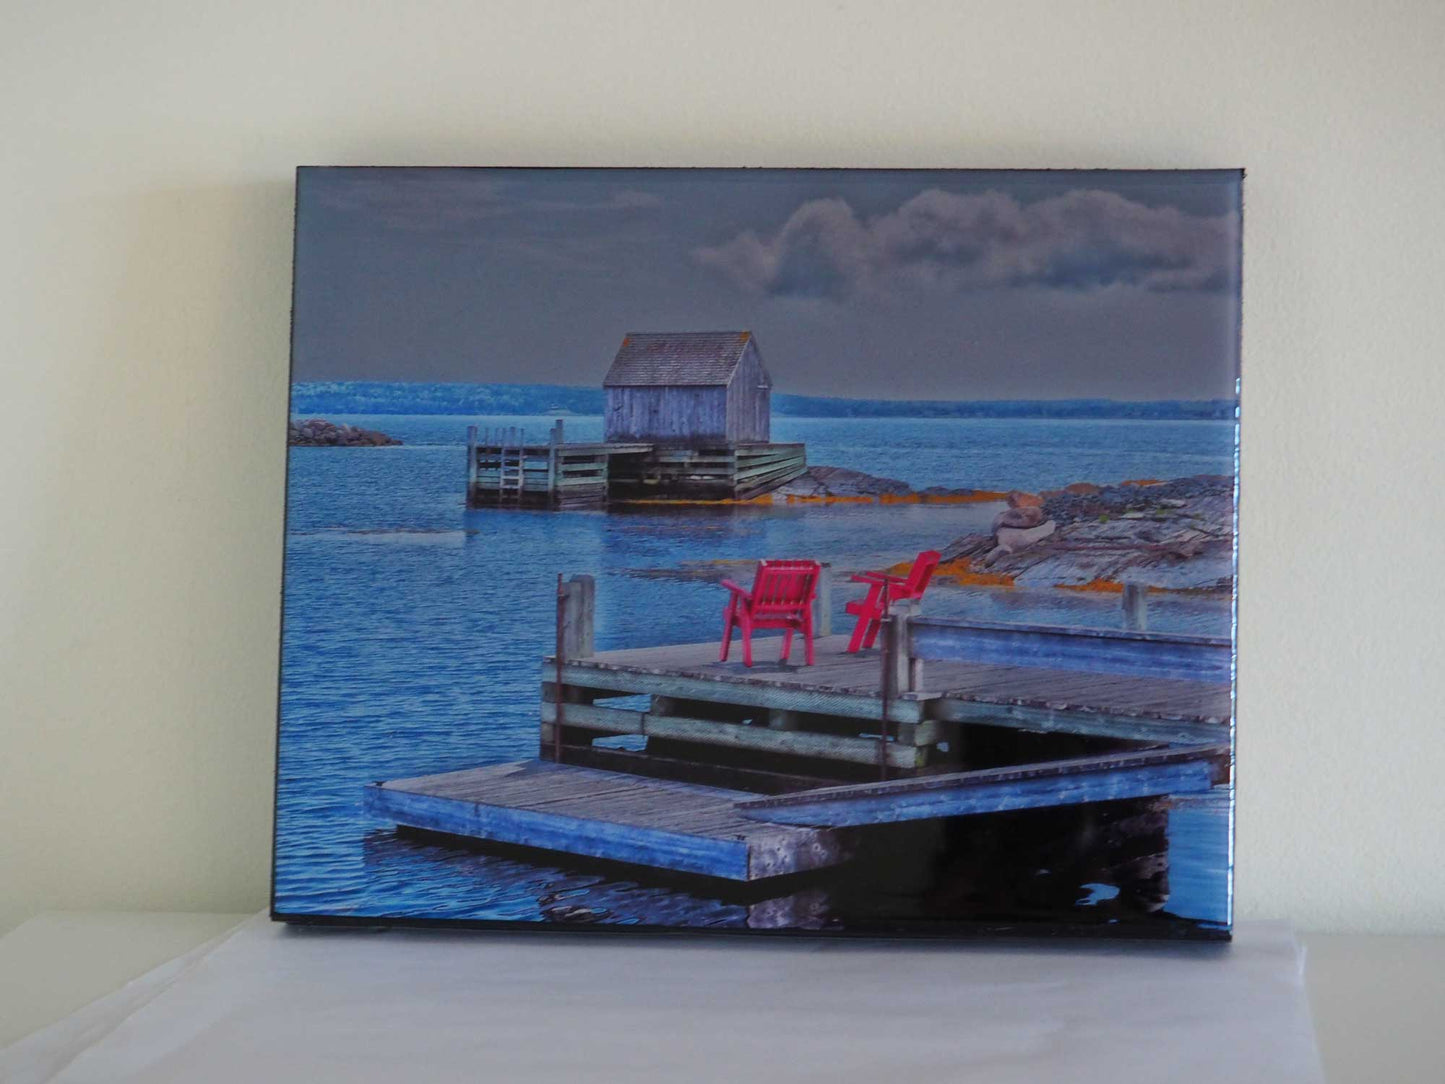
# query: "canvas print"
[[840, 552]]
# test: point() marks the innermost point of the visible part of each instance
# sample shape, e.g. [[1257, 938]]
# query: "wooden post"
[[823, 604], [554, 438], [471, 465], [1136, 606], [579, 617], [900, 663], [576, 606], [560, 658]]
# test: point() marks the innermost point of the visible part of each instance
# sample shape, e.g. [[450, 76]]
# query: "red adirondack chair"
[[871, 609], [781, 598]]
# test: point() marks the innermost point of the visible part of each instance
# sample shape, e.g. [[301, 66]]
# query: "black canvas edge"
[[962, 931]]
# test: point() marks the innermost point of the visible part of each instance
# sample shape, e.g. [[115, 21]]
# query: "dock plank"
[[857, 750], [600, 814], [1145, 707], [1078, 780]]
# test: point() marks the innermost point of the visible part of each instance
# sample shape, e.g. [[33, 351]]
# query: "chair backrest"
[[920, 574], [784, 586]]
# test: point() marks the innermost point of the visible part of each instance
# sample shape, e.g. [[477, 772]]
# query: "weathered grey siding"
[[667, 415], [748, 410]]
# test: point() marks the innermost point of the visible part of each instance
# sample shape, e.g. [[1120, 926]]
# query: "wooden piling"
[[1136, 606], [471, 465], [579, 610], [823, 603]]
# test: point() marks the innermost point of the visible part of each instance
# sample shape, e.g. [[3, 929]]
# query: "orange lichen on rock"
[[960, 571], [804, 498], [1142, 482], [1096, 584], [766, 498]]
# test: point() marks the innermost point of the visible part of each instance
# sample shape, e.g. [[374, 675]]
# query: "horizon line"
[[800, 395]]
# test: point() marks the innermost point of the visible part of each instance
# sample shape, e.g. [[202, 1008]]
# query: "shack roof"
[[673, 358]]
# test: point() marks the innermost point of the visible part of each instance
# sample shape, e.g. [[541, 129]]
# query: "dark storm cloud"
[[1078, 240]]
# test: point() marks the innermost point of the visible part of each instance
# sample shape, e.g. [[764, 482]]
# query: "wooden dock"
[[739, 836], [736, 472], [1139, 687], [761, 772], [598, 814], [505, 470]]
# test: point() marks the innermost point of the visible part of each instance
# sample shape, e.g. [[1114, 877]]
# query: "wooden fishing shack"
[[688, 417], [690, 389]]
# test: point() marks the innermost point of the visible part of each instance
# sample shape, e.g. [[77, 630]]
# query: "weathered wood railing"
[[1171, 689], [1098, 651]]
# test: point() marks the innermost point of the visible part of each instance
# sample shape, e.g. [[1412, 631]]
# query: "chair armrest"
[[734, 587], [878, 578]]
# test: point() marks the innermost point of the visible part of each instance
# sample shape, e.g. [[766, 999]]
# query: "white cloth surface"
[[276, 1004]]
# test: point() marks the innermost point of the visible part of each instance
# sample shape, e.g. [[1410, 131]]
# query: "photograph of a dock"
[[842, 552]]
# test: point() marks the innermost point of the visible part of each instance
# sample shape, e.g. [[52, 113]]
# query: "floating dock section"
[[750, 773], [505, 470], [739, 836], [601, 814]]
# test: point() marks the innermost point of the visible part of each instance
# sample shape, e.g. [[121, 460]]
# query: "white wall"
[[146, 152]]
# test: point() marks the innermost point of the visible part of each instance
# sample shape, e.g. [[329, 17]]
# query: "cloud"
[[1080, 240]]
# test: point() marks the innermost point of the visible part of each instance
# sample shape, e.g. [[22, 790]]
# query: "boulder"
[[1019, 499], [1026, 516], [1083, 489], [1013, 539], [318, 432]]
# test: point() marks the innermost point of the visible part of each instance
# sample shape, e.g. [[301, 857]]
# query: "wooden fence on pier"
[[907, 706], [732, 472], [505, 470]]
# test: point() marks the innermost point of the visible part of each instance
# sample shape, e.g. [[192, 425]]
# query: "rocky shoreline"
[[319, 433], [843, 484], [1174, 536]]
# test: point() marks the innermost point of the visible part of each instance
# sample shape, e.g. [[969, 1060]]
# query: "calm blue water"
[[414, 629]]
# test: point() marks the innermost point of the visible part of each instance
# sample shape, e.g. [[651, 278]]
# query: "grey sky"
[[878, 284]]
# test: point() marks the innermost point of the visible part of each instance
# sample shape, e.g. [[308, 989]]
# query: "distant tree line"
[[383, 397]]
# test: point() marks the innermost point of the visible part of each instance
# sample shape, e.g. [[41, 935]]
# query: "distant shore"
[[319, 433]]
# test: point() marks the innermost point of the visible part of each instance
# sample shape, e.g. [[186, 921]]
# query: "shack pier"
[[504, 470], [750, 773]]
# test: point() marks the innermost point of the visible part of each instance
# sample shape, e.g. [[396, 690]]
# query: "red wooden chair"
[[871, 609], [781, 598]]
